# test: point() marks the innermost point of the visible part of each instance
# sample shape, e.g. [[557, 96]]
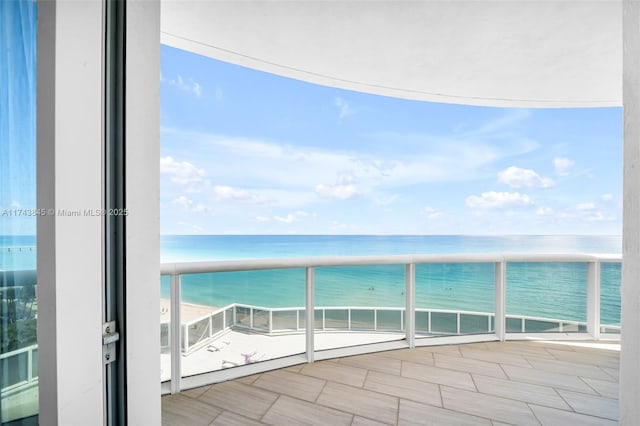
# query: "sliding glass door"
[[18, 213]]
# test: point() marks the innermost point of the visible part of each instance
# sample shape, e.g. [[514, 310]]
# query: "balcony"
[[579, 302], [515, 382]]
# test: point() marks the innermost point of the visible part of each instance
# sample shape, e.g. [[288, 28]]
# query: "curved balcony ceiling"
[[555, 53]]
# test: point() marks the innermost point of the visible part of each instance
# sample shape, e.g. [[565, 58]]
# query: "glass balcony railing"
[[241, 317]]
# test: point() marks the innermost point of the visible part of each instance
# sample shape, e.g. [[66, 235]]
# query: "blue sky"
[[246, 152], [18, 33]]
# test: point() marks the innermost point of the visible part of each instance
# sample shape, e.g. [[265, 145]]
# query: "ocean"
[[553, 290]]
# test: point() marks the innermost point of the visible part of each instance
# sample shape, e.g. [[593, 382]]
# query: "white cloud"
[[183, 172], [544, 211], [432, 213], [338, 192], [194, 228], [192, 207], [290, 218], [585, 206], [293, 175], [607, 197], [235, 194], [563, 166], [345, 109], [386, 200], [586, 212], [494, 200], [188, 85], [517, 177]]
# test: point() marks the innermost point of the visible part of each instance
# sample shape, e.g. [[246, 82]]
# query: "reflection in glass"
[[18, 304]]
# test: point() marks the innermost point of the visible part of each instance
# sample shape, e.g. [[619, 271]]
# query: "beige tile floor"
[[521, 383]]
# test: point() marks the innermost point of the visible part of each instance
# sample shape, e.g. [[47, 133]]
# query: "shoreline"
[[190, 311]]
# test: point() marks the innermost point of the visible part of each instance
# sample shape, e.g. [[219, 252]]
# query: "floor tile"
[[604, 387], [524, 392], [362, 421], [296, 385], [361, 402], [418, 356], [547, 378], [181, 410], [195, 392], [591, 405], [568, 367], [494, 356], [228, 418], [427, 373], [403, 387], [452, 350], [240, 398], [489, 406], [469, 365], [290, 411], [413, 413], [374, 362], [518, 348], [249, 379], [336, 372], [605, 358], [613, 372], [554, 417], [559, 384]]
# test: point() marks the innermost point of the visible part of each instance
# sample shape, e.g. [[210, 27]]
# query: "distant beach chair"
[[251, 357], [214, 348]]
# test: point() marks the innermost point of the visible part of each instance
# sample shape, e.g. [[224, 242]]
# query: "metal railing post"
[[500, 299], [593, 299], [175, 334], [410, 304], [310, 313]]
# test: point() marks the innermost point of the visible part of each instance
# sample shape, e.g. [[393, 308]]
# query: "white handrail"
[[410, 329], [402, 259]]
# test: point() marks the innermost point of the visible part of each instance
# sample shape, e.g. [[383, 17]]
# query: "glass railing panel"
[[358, 305], [549, 293], [444, 290], [363, 319], [285, 320], [475, 324], [227, 318], [261, 319], [444, 323], [537, 326], [422, 322], [610, 279], [337, 319], [302, 319], [514, 325], [389, 320], [165, 328]]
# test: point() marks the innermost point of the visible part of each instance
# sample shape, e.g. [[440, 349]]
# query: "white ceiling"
[[540, 53]]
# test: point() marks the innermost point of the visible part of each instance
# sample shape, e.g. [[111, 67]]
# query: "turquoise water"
[[537, 289]]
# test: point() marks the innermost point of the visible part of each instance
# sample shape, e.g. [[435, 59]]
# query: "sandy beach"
[[189, 311]]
